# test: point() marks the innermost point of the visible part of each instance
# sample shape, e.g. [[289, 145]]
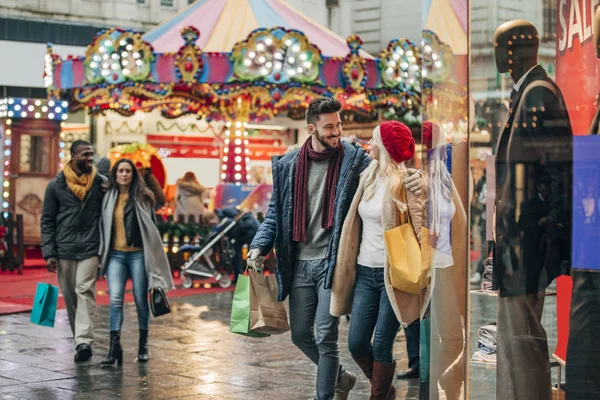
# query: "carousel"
[[235, 63]]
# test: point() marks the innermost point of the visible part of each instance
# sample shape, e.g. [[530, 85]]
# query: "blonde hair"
[[383, 168]]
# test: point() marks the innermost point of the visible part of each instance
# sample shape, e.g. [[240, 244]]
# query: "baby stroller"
[[212, 259]]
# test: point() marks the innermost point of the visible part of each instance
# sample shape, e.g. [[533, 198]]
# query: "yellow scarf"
[[79, 185]]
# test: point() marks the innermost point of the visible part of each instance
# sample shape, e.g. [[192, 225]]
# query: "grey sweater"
[[317, 238]]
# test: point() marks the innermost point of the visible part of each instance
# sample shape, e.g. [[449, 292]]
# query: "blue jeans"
[[309, 306], [372, 312], [122, 265]]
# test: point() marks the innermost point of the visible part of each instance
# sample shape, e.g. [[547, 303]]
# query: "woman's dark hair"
[[138, 191]]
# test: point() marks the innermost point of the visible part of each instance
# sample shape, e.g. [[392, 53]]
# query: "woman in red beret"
[[361, 284]]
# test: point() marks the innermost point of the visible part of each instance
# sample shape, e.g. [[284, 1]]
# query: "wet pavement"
[[192, 356]]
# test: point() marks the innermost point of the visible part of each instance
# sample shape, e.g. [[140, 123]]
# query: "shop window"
[[549, 33], [34, 155], [166, 3]]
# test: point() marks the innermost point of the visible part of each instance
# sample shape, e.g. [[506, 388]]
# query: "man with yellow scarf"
[[71, 240]]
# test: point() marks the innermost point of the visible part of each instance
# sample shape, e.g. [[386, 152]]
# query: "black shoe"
[[115, 351], [409, 374], [84, 352], [143, 346]]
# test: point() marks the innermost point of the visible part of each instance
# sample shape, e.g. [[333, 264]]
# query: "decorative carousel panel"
[[276, 56], [437, 58], [189, 62], [354, 70], [116, 56], [400, 66]]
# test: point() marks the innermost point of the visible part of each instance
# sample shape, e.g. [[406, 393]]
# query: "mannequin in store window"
[[583, 350], [534, 150]]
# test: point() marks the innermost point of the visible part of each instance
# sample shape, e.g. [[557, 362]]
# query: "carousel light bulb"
[[404, 65], [7, 142], [245, 124], [115, 66], [65, 104], [269, 41], [252, 54], [262, 59], [10, 113], [438, 64], [307, 64], [269, 64], [30, 108], [136, 55], [123, 42], [238, 159], [247, 151], [106, 72], [93, 65], [248, 176], [238, 176], [139, 63], [102, 49], [125, 63], [409, 53], [238, 133], [278, 56], [58, 109], [5, 204], [238, 142], [223, 175], [23, 114], [288, 42], [428, 49], [227, 133], [8, 132], [10, 101], [303, 57], [105, 57], [238, 167], [225, 158], [247, 159], [226, 150], [129, 47], [97, 58], [389, 70], [291, 60], [6, 194], [17, 107], [238, 124], [228, 124], [224, 167], [264, 71], [238, 150], [296, 48], [51, 116], [245, 133], [126, 71], [291, 72], [434, 56], [260, 47], [7, 153], [226, 141], [64, 117], [278, 65], [105, 65], [391, 64], [124, 54], [247, 62], [108, 43], [44, 109], [246, 142], [300, 70], [114, 56]]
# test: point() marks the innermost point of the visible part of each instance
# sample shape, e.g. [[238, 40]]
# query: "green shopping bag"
[[425, 346], [244, 299], [44, 305]]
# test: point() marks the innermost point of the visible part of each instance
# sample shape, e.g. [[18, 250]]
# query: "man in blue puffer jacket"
[[312, 190]]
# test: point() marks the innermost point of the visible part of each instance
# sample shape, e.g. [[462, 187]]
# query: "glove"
[[414, 181], [255, 260]]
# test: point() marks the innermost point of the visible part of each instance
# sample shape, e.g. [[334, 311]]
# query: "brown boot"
[[383, 376], [366, 365]]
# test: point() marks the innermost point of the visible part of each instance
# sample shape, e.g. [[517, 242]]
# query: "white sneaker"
[[476, 278]]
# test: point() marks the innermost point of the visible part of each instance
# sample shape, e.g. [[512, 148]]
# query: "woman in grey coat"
[[131, 247]]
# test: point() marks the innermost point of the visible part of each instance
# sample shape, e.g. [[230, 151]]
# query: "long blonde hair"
[[383, 168]]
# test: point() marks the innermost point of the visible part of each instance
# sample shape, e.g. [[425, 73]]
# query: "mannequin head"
[[596, 24], [516, 45]]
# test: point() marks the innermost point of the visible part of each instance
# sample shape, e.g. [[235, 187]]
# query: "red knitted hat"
[[397, 140]]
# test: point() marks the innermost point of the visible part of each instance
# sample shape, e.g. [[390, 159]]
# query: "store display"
[[487, 340], [532, 233]]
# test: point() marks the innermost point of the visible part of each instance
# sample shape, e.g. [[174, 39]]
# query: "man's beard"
[[324, 143], [83, 166]]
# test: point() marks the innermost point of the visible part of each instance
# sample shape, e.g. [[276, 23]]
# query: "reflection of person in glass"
[[534, 152], [361, 282]]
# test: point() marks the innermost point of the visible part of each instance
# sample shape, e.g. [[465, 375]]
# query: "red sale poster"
[[576, 61]]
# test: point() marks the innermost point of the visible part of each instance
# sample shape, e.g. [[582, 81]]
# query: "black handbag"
[[159, 304]]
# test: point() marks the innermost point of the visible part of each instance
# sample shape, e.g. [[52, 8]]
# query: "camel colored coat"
[[407, 307]]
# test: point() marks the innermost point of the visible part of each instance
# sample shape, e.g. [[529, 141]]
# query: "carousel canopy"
[[224, 23]]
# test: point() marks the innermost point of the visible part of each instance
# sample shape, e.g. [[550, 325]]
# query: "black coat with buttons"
[[69, 226], [533, 243]]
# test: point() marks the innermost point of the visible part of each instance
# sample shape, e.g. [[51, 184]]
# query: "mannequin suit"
[[534, 150]]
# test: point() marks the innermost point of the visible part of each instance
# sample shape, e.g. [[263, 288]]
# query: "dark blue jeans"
[[121, 266], [372, 313]]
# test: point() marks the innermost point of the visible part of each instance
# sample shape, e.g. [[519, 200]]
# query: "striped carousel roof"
[[448, 19], [223, 23]]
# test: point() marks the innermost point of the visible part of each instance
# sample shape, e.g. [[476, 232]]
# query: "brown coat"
[[407, 307]]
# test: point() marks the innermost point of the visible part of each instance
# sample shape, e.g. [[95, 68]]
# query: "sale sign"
[[576, 61]]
